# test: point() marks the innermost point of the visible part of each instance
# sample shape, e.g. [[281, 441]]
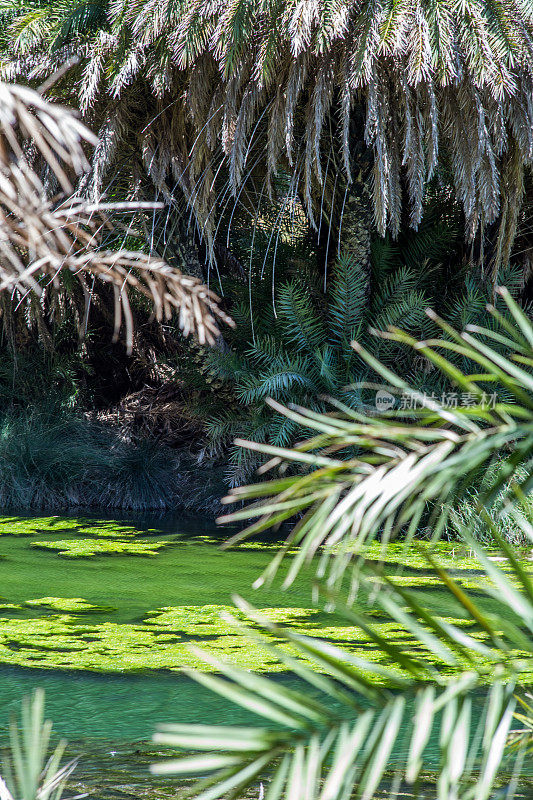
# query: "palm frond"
[[348, 297], [29, 771], [354, 723], [406, 459], [299, 318], [38, 239], [357, 727]]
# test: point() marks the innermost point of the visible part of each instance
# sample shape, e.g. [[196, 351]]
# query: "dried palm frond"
[[39, 238], [230, 93], [450, 83], [55, 131]]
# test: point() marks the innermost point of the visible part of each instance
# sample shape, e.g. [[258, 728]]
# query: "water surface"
[[106, 635]]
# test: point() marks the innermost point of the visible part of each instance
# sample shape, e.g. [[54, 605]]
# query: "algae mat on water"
[[106, 611]]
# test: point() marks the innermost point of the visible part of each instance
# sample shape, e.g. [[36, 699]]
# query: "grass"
[[466, 514], [54, 458]]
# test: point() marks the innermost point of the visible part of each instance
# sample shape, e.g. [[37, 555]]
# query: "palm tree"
[[355, 727], [293, 345], [362, 103]]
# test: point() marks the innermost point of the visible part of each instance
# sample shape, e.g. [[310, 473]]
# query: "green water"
[[109, 719], [107, 634], [122, 613]]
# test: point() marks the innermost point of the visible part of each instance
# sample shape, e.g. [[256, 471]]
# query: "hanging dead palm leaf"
[[39, 237]]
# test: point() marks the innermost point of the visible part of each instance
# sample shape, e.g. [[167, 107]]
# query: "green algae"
[[166, 604], [451, 555], [164, 639], [60, 641], [87, 548], [67, 605], [29, 526]]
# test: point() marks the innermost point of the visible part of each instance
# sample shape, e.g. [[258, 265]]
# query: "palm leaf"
[[29, 771], [404, 464], [348, 747], [41, 239]]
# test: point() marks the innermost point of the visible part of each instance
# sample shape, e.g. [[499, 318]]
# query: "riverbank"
[[54, 459]]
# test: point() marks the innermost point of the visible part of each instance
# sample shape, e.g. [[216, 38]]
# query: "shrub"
[[54, 458]]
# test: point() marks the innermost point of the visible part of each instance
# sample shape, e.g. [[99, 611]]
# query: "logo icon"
[[384, 400]]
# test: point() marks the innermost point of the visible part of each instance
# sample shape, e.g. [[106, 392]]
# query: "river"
[[101, 614]]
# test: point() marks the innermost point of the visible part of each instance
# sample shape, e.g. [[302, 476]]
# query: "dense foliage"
[[361, 726], [419, 86], [292, 344], [333, 167], [244, 131]]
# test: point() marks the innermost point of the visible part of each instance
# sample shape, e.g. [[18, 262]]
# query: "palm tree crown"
[[252, 86]]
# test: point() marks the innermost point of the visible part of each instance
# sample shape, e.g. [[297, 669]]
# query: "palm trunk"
[[347, 217], [173, 240], [355, 223], [346, 207]]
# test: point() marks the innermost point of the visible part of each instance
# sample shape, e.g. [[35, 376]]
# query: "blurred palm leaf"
[[371, 723], [408, 465], [30, 773], [355, 726]]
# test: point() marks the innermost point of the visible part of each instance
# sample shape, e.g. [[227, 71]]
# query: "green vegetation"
[[30, 771], [331, 168], [167, 638], [54, 459], [406, 471], [78, 526], [296, 348], [85, 548], [66, 605], [283, 230], [466, 514], [124, 616]]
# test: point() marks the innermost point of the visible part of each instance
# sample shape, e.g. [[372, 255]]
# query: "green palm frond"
[[405, 308], [299, 318], [385, 254], [333, 368], [297, 85], [469, 307], [356, 726], [360, 725], [396, 283], [266, 351], [410, 464], [303, 353], [347, 301], [31, 28], [282, 431], [83, 19], [280, 379]]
